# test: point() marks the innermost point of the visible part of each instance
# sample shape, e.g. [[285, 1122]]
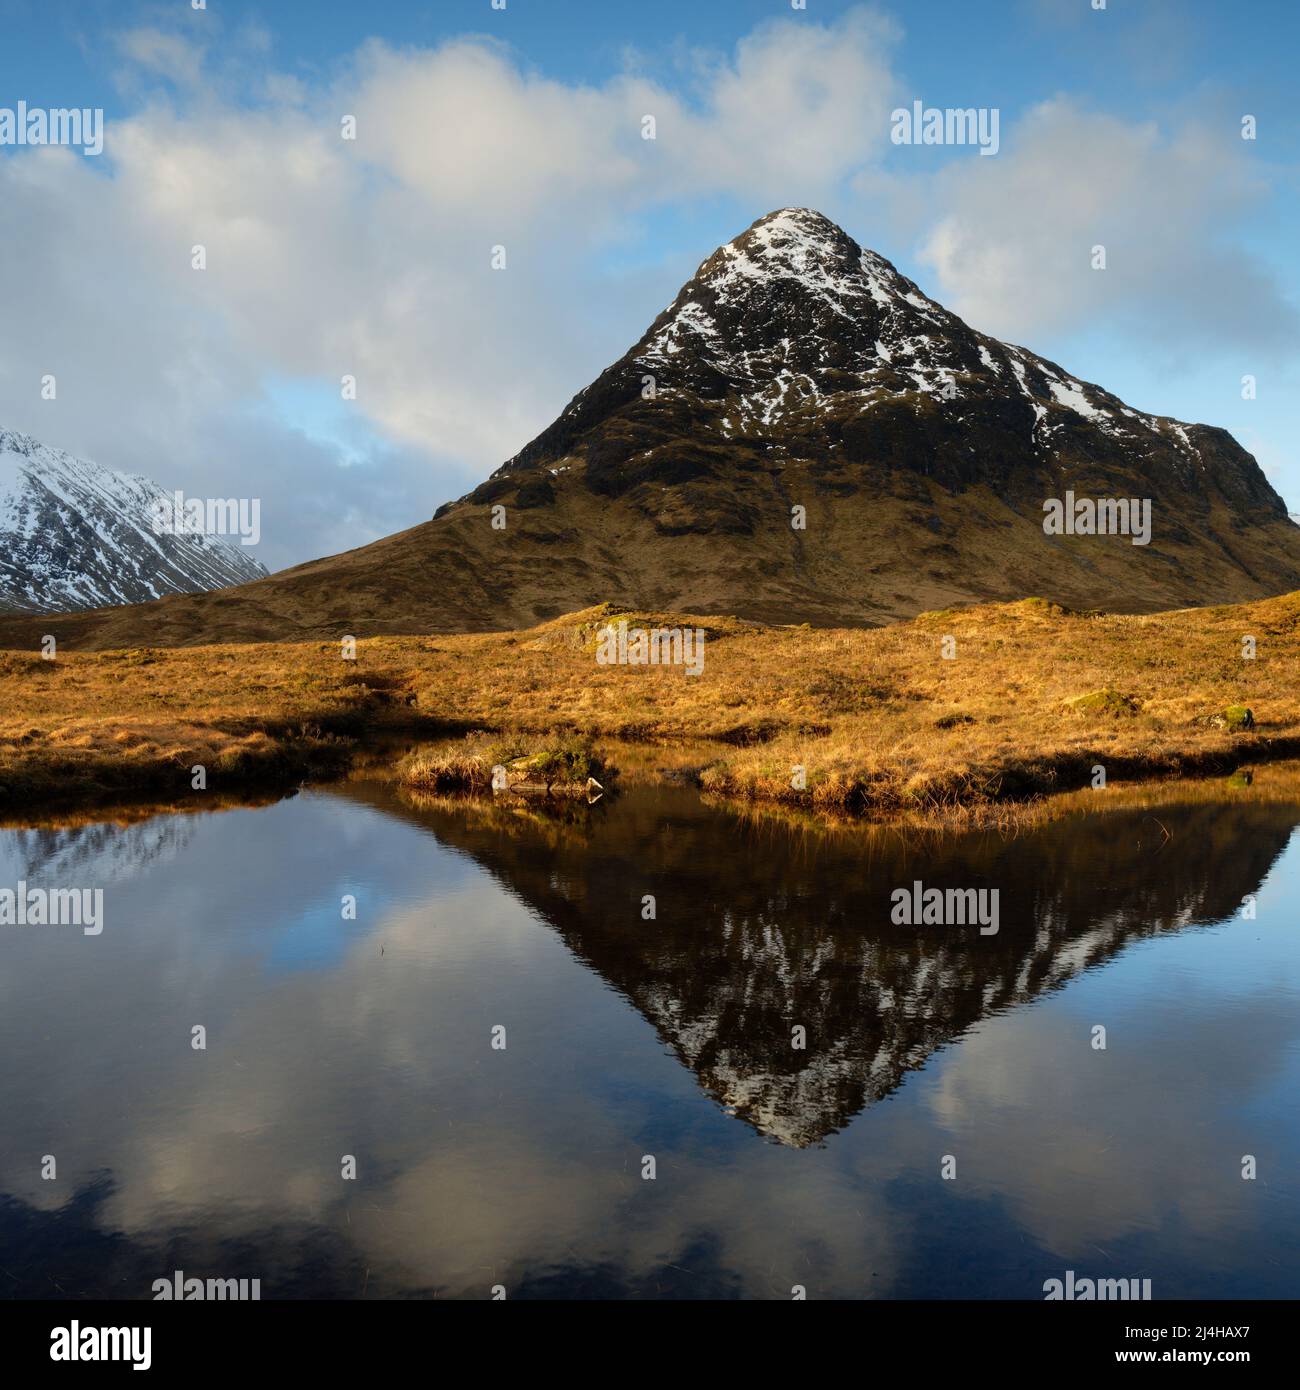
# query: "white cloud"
[[802, 107], [1012, 246], [160, 54], [371, 257]]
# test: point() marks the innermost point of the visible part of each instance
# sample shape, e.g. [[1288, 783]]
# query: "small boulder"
[[1107, 701], [1236, 719]]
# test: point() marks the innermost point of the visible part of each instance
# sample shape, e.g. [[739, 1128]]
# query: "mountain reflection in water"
[[749, 940], [669, 1037]]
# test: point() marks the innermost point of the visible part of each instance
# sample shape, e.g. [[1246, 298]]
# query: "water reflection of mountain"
[[758, 931], [98, 852]]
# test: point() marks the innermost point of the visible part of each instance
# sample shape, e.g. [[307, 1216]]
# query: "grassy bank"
[[120, 724], [1029, 699], [481, 764]]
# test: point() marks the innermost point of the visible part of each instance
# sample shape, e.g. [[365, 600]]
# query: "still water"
[[670, 1039]]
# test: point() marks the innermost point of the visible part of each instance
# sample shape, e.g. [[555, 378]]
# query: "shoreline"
[[1276, 779], [274, 769]]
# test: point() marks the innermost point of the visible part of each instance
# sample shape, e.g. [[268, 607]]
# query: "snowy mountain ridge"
[[76, 535]]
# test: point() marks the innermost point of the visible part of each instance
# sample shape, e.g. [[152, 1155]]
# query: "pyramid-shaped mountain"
[[796, 378]]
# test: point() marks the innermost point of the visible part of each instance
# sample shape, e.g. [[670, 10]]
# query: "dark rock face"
[[793, 343]]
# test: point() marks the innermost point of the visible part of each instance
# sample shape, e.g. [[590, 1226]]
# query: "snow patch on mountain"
[[904, 340], [76, 535]]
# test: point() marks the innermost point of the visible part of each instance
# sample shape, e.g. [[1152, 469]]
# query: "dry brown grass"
[[118, 723], [879, 718]]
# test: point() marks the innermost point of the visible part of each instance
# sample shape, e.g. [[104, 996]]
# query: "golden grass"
[[879, 719], [117, 723]]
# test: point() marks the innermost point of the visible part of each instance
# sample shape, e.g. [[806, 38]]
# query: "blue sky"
[[1119, 126], [1001, 52]]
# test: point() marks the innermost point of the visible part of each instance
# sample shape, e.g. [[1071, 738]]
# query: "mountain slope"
[[74, 535], [794, 369]]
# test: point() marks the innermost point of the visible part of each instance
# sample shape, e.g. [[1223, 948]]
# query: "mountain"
[[74, 535], [795, 369]]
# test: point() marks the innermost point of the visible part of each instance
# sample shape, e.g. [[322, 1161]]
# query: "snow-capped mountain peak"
[[76, 535], [793, 312]]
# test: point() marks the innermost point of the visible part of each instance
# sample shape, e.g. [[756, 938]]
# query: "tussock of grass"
[[565, 768]]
